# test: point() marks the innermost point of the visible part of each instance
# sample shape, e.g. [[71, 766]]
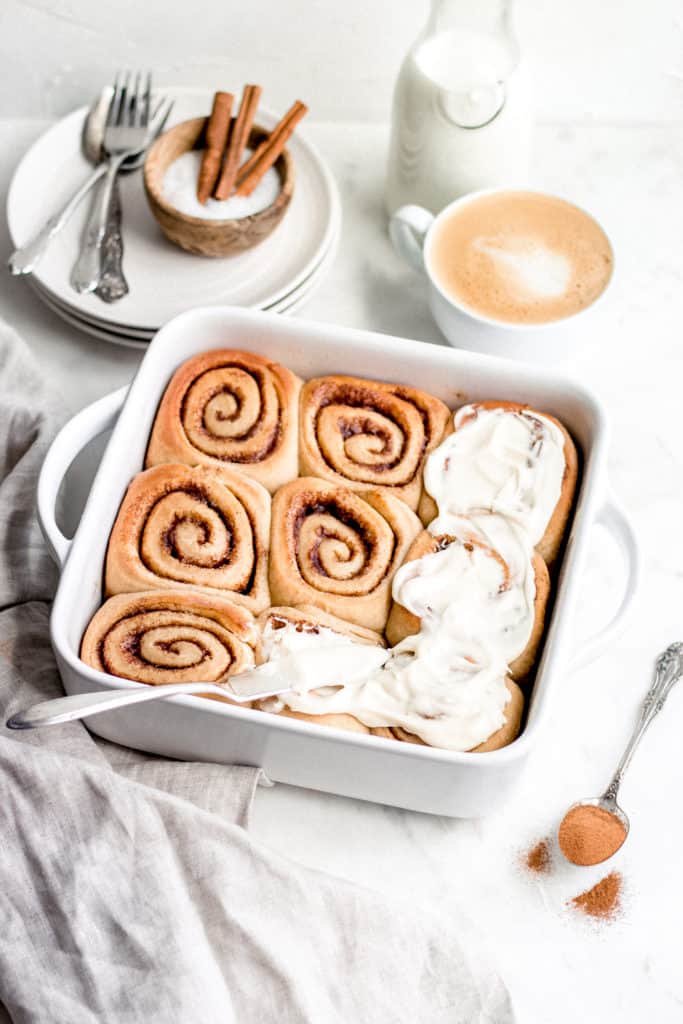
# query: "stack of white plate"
[[277, 275]]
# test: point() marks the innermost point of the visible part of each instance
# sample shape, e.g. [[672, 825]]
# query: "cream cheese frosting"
[[283, 645], [499, 460], [484, 578], [427, 685]]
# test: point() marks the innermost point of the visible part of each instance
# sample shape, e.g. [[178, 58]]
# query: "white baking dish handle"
[[84, 427], [614, 519]]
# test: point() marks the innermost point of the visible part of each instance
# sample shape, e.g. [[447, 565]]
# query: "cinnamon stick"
[[265, 155], [216, 138], [239, 137]]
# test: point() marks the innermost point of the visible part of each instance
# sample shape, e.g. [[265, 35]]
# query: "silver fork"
[[127, 132], [112, 284]]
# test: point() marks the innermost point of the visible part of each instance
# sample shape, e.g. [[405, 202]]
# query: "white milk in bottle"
[[462, 108]]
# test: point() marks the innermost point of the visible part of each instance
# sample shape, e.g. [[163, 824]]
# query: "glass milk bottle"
[[462, 107]]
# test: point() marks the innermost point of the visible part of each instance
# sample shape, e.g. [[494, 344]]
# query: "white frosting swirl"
[[284, 642], [427, 686], [484, 579], [499, 460]]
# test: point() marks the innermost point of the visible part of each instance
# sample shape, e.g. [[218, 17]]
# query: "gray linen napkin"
[[130, 893]]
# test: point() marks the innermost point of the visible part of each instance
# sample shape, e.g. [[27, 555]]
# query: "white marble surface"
[[559, 970]]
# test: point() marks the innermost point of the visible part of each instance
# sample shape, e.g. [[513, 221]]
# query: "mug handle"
[[407, 229]]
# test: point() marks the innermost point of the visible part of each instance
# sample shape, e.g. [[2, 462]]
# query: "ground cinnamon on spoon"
[[603, 900], [589, 834]]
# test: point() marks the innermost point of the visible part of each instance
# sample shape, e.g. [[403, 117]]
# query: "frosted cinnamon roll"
[[337, 550], [203, 526], [170, 636], [287, 631], [506, 458], [503, 736], [422, 691], [426, 687], [230, 408], [479, 580], [369, 436]]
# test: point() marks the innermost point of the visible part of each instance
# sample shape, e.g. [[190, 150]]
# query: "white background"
[[613, 59]]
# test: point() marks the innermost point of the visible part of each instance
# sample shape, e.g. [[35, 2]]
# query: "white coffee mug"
[[412, 233]]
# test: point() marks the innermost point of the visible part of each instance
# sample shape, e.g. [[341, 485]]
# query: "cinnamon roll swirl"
[[502, 737], [170, 636], [506, 458], [230, 408], [202, 526], [480, 581], [369, 436], [337, 550], [286, 631]]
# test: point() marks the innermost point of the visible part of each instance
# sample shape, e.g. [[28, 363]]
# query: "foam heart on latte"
[[520, 257]]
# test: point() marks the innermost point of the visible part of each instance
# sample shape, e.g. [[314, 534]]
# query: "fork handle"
[[24, 259], [112, 285], [85, 275]]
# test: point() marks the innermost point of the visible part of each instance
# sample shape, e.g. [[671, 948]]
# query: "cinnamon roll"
[[286, 631], [369, 436], [230, 408], [510, 459], [502, 737], [203, 526], [479, 581], [333, 721], [337, 550], [170, 636]]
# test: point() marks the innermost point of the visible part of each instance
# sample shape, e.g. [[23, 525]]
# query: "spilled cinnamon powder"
[[603, 900], [589, 834], [538, 859]]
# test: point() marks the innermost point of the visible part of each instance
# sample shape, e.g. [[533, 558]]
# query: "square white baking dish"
[[190, 728]]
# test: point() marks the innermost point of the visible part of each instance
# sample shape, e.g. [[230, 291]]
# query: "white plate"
[[105, 326], [164, 280], [141, 340]]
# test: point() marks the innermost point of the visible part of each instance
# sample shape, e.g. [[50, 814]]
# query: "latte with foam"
[[520, 257]]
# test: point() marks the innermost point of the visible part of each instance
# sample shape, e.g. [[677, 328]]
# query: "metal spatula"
[[269, 680]]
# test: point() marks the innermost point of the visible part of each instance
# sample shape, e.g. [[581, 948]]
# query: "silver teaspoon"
[[668, 670]]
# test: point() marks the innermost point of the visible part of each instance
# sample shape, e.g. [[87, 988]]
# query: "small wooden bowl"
[[197, 234]]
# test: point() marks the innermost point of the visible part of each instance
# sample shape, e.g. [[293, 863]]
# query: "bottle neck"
[[492, 17], [468, 51], [483, 26]]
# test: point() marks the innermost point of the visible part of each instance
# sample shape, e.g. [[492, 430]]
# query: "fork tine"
[[135, 108], [122, 116], [147, 99], [115, 102], [159, 125], [158, 120]]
